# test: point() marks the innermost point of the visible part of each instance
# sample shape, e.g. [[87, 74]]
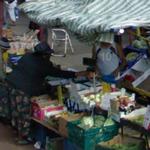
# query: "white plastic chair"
[[61, 35]]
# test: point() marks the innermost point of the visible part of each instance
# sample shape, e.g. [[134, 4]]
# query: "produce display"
[[132, 56], [92, 97], [131, 146], [89, 121], [96, 121], [138, 120], [109, 122], [21, 43], [140, 44], [126, 104]]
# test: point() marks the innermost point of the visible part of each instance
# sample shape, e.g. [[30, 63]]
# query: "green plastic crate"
[[87, 139]]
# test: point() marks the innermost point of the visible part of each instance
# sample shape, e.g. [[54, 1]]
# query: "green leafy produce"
[[131, 146], [88, 122], [139, 44], [109, 122], [138, 120], [132, 56], [99, 121]]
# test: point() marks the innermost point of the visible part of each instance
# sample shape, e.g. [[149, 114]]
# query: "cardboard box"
[[40, 109], [63, 120]]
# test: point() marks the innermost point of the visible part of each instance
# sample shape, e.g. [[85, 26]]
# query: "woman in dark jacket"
[[4, 97], [27, 79]]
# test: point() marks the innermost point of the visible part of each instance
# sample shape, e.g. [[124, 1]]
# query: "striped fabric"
[[88, 17]]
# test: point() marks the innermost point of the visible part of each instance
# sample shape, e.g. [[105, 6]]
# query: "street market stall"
[[89, 19]]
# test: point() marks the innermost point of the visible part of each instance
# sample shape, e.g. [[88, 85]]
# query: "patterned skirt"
[[20, 112], [5, 112], [16, 107]]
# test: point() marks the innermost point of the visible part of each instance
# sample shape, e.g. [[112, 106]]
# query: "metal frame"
[[66, 39]]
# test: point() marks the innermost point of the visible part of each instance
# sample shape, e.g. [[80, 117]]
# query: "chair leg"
[[67, 41], [71, 45], [66, 45], [53, 39]]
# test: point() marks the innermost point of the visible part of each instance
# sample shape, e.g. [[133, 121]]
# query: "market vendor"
[[4, 98], [107, 58], [28, 79]]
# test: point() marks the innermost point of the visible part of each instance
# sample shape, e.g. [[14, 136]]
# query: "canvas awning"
[[90, 17]]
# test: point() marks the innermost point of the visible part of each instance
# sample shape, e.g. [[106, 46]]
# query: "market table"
[[136, 127], [46, 125], [62, 122]]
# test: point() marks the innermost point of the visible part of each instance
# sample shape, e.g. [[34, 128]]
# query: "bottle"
[[106, 87], [113, 88], [123, 92]]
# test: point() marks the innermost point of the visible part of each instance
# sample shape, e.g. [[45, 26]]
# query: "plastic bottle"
[[113, 88]]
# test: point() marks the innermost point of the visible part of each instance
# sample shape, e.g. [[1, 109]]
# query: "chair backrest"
[[59, 34]]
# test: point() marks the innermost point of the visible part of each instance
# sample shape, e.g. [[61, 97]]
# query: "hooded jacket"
[[29, 75]]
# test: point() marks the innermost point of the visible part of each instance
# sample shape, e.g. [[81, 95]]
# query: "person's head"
[[43, 49], [106, 39], [105, 44], [4, 44]]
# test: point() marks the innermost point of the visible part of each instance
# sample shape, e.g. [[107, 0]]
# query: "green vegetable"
[[131, 146], [138, 120], [139, 44], [88, 122], [99, 121], [109, 122]]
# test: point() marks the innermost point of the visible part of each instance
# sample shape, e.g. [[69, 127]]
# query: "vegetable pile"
[[138, 120], [94, 122], [131, 146]]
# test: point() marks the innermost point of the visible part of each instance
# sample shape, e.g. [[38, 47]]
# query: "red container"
[[39, 111]]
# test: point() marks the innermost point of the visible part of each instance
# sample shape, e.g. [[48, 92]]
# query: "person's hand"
[[123, 64], [116, 72], [120, 68], [90, 74]]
